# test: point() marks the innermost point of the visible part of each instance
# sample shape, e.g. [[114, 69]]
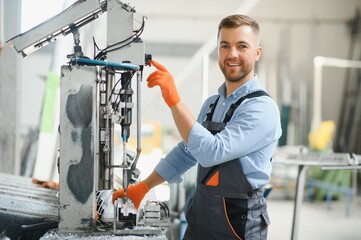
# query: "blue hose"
[[87, 61]]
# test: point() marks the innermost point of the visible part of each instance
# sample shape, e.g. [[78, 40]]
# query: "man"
[[232, 141]]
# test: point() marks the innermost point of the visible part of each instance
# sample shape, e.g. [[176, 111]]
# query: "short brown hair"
[[236, 20]]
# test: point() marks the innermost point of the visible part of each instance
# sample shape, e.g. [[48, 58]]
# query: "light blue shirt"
[[250, 136]]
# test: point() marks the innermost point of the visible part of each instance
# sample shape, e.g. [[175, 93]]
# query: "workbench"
[[304, 159]]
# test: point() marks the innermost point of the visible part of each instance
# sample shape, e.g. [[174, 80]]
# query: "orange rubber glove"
[[165, 81], [135, 192]]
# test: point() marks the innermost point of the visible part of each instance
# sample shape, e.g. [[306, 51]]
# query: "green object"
[[332, 179], [49, 103]]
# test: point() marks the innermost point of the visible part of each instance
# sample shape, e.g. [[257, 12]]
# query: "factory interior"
[[78, 121]]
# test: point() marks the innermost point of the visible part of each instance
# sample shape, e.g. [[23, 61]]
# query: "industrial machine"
[[96, 95]]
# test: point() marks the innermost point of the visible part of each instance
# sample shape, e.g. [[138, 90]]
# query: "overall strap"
[[233, 107], [211, 110]]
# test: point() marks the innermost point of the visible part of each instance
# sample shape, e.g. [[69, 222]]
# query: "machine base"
[[123, 235]]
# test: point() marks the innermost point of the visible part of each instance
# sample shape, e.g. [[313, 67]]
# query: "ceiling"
[[187, 21]]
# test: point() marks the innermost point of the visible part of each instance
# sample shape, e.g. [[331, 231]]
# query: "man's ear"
[[258, 53]]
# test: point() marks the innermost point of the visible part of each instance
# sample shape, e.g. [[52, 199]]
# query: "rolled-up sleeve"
[[197, 136], [175, 164]]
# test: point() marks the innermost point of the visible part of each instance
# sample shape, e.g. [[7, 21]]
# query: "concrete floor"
[[317, 221]]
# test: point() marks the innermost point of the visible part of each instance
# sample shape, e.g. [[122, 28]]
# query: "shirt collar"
[[248, 87]]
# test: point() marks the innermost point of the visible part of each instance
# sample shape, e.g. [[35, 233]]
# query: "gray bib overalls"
[[224, 205]]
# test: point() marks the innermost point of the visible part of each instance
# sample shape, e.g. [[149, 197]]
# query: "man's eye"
[[224, 46], [242, 46]]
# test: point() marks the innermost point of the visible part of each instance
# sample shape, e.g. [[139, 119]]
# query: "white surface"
[[317, 222]]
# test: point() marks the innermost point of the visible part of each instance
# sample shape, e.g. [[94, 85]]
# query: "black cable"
[[105, 224], [137, 33], [165, 209], [113, 89], [96, 47], [134, 36]]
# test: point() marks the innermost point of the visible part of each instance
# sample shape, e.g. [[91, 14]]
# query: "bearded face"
[[238, 52]]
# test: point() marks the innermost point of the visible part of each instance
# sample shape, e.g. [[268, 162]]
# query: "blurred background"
[[321, 113]]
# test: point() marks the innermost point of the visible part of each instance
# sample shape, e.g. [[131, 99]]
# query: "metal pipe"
[[350, 167], [320, 62], [125, 170], [139, 121], [107, 149], [115, 216]]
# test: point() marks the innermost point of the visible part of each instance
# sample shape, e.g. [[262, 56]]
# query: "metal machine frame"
[[96, 94]]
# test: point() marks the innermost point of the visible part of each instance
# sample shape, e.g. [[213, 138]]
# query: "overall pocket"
[[236, 211]]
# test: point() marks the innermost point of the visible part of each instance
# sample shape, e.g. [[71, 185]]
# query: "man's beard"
[[236, 77]]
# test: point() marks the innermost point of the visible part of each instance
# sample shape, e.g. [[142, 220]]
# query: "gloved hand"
[[165, 81], [135, 192]]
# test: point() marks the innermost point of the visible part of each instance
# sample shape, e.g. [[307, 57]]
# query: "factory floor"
[[317, 221]]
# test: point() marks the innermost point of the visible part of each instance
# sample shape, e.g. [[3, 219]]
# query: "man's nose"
[[233, 52]]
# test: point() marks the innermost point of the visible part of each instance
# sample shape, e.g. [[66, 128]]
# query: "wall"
[[9, 93], [293, 33]]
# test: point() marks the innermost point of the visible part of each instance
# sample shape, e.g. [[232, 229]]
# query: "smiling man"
[[232, 142], [238, 51]]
